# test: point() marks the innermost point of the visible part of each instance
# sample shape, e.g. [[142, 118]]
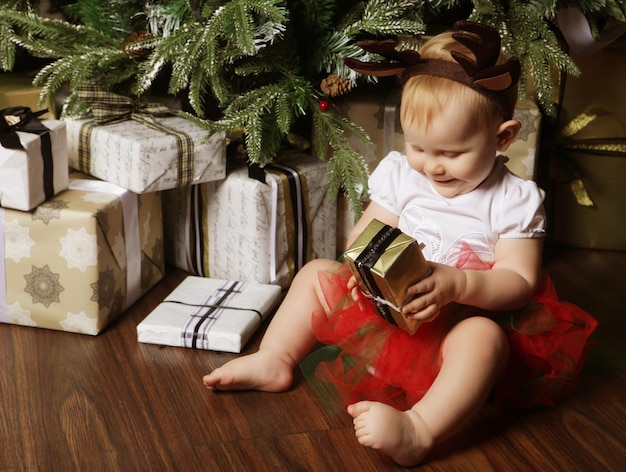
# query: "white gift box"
[[22, 174], [243, 229], [141, 159], [209, 314]]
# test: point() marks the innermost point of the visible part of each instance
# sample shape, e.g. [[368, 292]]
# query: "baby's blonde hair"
[[424, 96]]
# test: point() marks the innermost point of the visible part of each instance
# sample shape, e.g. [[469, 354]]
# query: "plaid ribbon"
[[109, 108]]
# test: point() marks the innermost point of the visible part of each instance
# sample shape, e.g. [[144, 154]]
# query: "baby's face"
[[454, 153]]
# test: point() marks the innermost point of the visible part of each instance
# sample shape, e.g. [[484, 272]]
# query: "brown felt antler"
[[387, 49], [484, 42], [482, 74]]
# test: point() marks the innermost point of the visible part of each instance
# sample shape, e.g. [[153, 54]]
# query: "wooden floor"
[[72, 402]]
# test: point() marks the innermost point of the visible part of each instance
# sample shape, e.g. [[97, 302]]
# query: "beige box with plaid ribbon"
[[142, 159]]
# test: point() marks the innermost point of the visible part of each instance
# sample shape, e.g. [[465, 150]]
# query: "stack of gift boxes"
[[92, 211]]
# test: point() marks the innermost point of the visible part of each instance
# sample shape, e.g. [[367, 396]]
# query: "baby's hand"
[[434, 292]]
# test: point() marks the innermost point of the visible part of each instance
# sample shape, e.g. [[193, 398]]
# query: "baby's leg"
[[287, 340], [475, 354]]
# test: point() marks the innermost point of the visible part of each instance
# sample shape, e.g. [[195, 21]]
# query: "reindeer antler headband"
[[482, 74]]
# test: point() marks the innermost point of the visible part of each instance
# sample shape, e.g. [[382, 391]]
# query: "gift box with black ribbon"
[[209, 314], [142, 147], [80, 259], [385, 263], [257, 228], [33, 158]]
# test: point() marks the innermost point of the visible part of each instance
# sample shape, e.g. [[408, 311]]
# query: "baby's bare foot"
[[402, 435], [259, 371]]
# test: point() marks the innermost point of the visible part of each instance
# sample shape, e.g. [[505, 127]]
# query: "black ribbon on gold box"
[[386, 262]]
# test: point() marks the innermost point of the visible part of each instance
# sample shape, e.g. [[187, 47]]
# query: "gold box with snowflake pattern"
[[80, 259]]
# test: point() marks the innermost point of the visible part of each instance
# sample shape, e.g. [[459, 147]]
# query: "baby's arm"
[[508, 285]]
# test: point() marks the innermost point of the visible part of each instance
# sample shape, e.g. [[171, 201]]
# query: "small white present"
[[33, 159], [209, 314]]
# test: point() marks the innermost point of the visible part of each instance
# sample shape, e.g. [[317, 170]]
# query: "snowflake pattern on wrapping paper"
[[119, 250], [118, 303], [79, 249], [98, 197], [117, 307], [527, 118], [80, 323], [103, 289], [20, 316], [17, 241], [43, 285], [103, 220], [49, 210]]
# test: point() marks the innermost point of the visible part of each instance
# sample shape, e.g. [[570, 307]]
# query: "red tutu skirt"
[[366, 358]]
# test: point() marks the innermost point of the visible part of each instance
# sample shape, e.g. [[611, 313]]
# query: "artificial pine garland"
[[262, 61]]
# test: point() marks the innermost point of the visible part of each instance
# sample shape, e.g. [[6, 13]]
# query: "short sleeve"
[[521, 214], [385, 180]]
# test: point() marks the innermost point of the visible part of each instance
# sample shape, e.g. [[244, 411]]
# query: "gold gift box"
[[80, 259], [386, 262]]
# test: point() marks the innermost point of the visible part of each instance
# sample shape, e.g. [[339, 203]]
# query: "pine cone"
[[333, 85], [135, 37]]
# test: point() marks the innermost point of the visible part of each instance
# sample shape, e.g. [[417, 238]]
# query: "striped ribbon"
[[110, 108], [197, 232], [297, 222], [195, 333]]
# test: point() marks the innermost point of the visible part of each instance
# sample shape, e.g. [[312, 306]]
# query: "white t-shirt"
[[503, 206]]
